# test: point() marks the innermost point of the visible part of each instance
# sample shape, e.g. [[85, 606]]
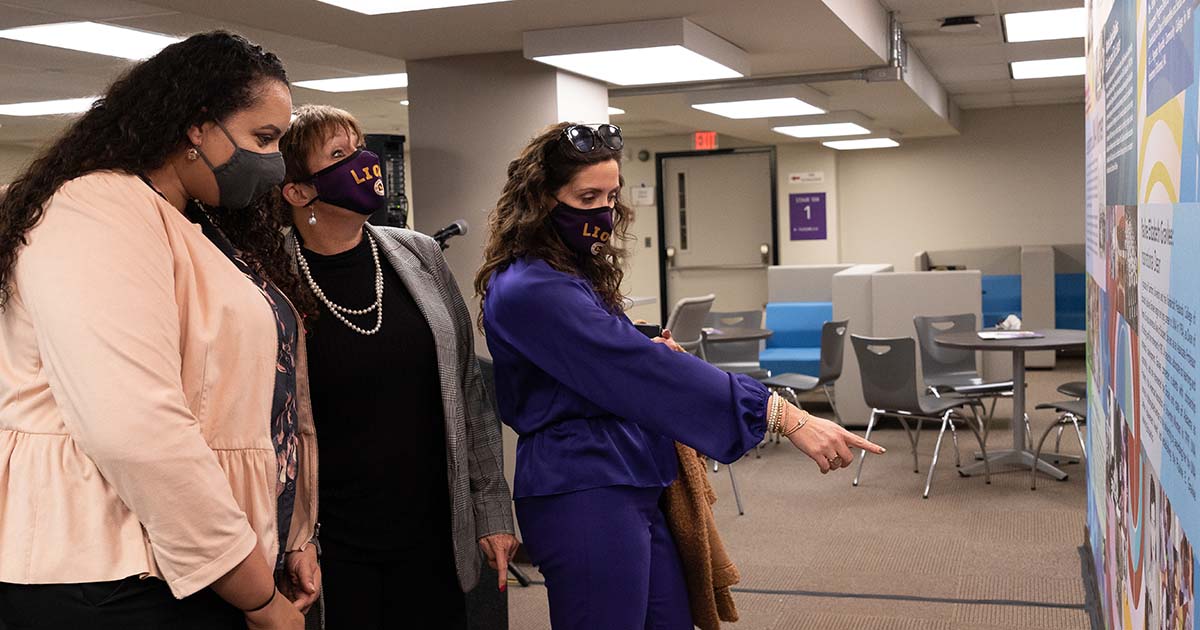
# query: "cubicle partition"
[[884, 304], [1042, 284], [853, 301], [802, 283]]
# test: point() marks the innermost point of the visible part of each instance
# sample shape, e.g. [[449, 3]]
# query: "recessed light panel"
[[760, 108], [93, 37], [827, 130], [1037, 26], [642, 66], [379, 7], [48, 108], [1046, 68], [865, 143], [358, 84]]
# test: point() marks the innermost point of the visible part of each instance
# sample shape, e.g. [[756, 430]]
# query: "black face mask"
[[246, 176]]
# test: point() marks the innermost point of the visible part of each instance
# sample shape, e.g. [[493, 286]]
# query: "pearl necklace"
[[338, 310]]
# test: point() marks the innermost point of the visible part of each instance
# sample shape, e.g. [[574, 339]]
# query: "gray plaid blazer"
[[479, 497]]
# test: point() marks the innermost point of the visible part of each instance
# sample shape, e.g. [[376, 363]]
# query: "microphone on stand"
[[457, 228]]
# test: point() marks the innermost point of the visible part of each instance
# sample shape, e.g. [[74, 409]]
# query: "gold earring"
[[193, 154]]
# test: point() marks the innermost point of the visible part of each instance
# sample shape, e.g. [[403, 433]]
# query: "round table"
[[1051, 339], [730, 334]]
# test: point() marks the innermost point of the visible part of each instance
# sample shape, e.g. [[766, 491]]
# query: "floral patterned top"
[[284, 419]]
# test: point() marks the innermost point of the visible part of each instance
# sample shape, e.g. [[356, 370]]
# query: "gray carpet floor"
[[816, 553]]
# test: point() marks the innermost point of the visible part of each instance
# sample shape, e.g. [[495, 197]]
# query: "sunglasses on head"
[[587, 138]]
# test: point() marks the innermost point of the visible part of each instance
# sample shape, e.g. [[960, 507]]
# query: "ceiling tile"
[[979, 101], [979, 87], [938, 58], [38, 57], [84, 9]]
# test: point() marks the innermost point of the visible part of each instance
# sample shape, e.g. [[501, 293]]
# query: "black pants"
[[387, 590], [128, 604]]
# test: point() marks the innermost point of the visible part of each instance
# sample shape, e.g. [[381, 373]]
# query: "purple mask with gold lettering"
[[354, 183], [584, 231]]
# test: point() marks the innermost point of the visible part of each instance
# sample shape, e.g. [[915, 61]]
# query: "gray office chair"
[[740, 357], [1072, 412], [686, 322], [833, 347], [953, 369], [1074, 389], [889, 383]]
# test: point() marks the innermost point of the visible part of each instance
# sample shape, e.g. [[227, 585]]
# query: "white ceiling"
[[973, 67], [316, 40]]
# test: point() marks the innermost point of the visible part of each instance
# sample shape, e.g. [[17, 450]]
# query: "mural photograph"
[[1143, 233]]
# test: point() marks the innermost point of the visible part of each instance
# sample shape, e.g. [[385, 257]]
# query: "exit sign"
[[705, 140]]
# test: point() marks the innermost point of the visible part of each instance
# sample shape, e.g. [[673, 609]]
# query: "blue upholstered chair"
[[795, 343]]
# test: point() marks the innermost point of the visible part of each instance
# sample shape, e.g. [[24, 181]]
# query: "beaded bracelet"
[[775, 413]]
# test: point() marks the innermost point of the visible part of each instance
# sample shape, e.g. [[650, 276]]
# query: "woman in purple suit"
[[596, 404]]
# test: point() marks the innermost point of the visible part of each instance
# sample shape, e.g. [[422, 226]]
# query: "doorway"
[[716, 226]]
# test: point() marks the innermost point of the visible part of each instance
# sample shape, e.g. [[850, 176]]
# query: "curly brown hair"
[[138, 124], [520, 224]]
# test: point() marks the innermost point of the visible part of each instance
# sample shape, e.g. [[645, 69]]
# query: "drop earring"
[[312, 216], [192, 154]]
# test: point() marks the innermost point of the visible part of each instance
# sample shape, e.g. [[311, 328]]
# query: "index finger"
[[854, 440]]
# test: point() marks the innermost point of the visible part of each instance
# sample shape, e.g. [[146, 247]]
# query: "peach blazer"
[[136, 376]]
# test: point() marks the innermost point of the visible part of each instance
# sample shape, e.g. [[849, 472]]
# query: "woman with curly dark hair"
[[156, 445], [597, 405]]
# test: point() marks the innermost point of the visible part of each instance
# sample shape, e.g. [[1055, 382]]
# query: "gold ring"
[[835, 460]]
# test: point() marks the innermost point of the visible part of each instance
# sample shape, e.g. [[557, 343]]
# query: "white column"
[[469, 116]]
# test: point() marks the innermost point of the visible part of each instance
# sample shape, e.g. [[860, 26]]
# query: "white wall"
[[641, 278], [1014, 177], [810, 158], [12, 160]]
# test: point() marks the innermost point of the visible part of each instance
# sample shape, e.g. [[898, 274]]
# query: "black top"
[[377, 404], [1051, 339]]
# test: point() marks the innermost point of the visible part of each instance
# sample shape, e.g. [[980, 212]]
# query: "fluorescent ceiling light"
[[827, 130], [866, 143], [760, 108], [1045, 68], [358, 84], [642, 66], [615, 111], [92, 37], [1042, 25], [639, 53], [48, 108], [379, 7]]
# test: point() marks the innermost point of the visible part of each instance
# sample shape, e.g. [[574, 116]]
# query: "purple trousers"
[[609, 560]]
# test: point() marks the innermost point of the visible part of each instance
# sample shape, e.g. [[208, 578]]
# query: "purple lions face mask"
[[354, 183], [584, 231]]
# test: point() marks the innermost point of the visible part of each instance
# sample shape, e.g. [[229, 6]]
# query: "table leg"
[[1018, 455], [1018, 414]]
